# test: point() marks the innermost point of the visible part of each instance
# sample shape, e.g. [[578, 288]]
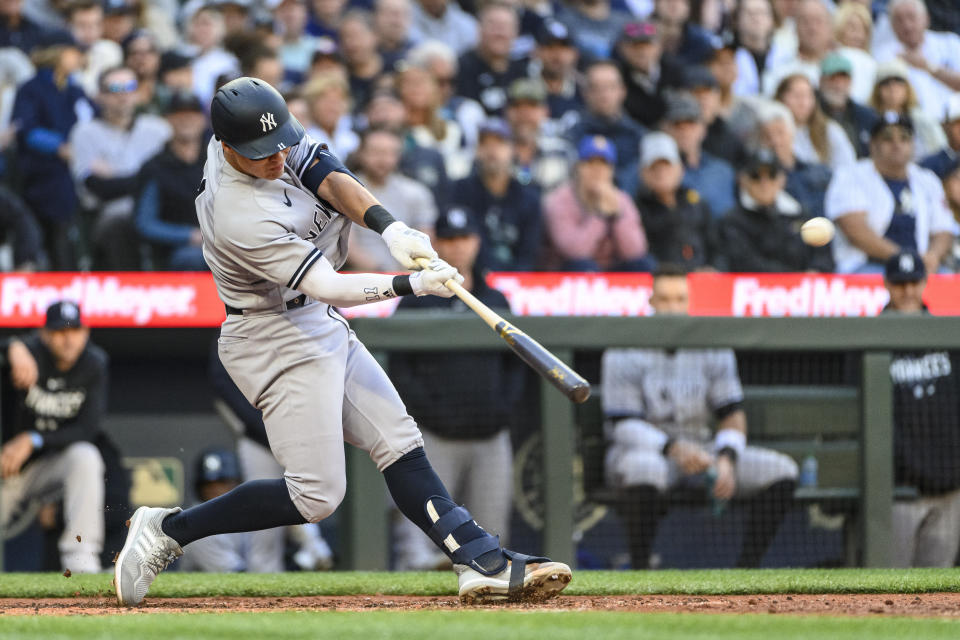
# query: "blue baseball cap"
[[906, 266], [64, 314], [496, 127], [597, 147], [455, 222]]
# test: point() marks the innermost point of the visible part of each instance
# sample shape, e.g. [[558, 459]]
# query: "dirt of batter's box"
[[929, 604]]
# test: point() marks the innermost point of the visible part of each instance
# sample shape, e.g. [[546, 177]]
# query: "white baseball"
[[817, 231]]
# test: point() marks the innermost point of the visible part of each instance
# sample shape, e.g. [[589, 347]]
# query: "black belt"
[[295, 303]]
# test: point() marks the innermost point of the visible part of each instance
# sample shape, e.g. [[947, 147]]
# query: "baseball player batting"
[[275, 209]]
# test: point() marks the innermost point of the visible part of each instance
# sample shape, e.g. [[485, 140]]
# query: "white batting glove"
[[406, 245], [430, 281]]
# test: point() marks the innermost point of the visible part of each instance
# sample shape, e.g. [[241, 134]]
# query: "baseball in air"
[[817, 231]]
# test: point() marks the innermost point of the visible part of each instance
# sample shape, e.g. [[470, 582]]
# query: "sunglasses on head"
[[895, 136], [121, 87], [760, 174]]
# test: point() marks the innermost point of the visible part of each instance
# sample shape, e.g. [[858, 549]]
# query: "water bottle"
[[808, 471]]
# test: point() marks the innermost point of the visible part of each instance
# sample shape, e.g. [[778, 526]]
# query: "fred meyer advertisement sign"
[[165, 299]]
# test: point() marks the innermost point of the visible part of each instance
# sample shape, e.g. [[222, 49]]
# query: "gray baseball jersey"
[[262, 236], [677, 391], [315, 383]]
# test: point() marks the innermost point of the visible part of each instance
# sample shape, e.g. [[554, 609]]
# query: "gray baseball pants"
[[317, 387]]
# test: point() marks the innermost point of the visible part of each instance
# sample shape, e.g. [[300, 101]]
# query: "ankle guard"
[[465, 552]]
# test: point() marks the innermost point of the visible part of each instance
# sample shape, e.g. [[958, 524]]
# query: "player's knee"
[[85, 457], [637, 467], [319, 501]]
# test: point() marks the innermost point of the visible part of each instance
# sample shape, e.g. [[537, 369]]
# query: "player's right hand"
[[690, 457], [406, 245], [430, 280], [23, 367]]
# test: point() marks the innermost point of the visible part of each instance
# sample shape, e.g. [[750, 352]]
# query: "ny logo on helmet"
[[268, 122]]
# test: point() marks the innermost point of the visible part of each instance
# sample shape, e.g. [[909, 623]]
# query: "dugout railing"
[[861, 461]]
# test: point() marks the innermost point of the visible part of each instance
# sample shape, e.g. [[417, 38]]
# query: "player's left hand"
[[14, 454], [726, 482], [406, 245], [431, 281]]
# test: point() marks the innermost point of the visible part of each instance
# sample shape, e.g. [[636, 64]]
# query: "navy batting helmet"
[[215, 465], [252, 118]]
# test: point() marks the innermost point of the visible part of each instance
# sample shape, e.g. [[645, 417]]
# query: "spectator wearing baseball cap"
[[712, 177], [893, 91], [762, 233], [886, 204], [594, 25], [943, 161], [542, 158], [675, 219], [604, 116], [557, 56], [926, 385], [166, 189], [720, 140], [507, 210], [835, 99], [591, 224], [646, 72]]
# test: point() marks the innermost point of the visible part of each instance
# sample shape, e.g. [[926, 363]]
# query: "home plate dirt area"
[[927, 604]]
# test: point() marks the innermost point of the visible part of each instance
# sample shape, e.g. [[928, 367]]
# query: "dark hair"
[[82, 5], [369, 131], [669, 270]]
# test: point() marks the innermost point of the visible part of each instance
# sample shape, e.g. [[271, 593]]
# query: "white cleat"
[[541, 579], [146, 552]]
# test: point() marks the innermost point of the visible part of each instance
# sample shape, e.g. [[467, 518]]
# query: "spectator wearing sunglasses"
[[886, 204], [762, 232], [108, 153]]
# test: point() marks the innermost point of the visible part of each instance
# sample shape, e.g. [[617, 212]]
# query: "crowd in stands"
[[580, 135]]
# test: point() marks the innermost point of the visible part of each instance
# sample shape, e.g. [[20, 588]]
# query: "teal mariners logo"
[[528, 489]]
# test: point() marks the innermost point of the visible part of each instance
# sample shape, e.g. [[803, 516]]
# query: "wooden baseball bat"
[[569, 382]]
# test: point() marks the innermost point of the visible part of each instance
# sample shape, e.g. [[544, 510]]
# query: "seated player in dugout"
[[54, 448], [659, 405], [275, 210]]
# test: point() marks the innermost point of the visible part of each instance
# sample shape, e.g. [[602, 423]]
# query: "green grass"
[[715, 582], [472, 625]]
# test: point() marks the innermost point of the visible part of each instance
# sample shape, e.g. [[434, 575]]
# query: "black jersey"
[[63, 406], [926, 413]]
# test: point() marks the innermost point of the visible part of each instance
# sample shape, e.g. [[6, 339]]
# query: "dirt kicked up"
[[925, 605]]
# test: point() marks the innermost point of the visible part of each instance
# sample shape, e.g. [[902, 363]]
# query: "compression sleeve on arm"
[[322, 282]]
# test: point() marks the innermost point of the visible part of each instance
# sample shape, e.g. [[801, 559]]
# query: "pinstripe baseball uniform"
[[301, 365], [681, 393]]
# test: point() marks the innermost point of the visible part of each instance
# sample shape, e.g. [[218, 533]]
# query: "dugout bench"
[[798, 420], [867, 407]]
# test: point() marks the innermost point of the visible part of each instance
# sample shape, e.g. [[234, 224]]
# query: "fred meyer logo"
[[814, 296], [98, 297]]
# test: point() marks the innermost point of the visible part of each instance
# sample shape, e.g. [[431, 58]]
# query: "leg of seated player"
[[767, 479], [939, 534], [489, 481], [907, 517], [80, 469], [641, 475], [374, 418]]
